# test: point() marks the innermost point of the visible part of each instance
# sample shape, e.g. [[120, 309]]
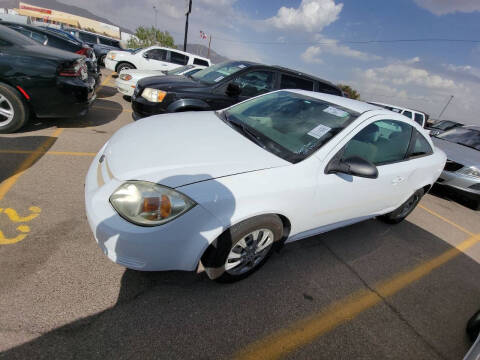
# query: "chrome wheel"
[[6, 111], [249, 251]]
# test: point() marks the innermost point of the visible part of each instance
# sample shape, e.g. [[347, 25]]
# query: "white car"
[[416, 115], [127, 79], [152, 58], [224, 188]]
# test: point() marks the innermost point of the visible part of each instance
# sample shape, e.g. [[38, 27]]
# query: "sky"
[[332, 39]]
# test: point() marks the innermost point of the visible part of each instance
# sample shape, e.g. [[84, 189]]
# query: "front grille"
[[452, 166]]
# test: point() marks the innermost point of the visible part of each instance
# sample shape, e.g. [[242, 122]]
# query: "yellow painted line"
[[69, 153], [461, 228], [14, 217], [307, 330], [6, 185], [104, 82]]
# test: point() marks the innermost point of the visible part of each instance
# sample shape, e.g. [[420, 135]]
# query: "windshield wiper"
[[244, 129]]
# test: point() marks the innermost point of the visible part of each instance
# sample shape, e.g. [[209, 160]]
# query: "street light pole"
[[189, 10], [156, 10]]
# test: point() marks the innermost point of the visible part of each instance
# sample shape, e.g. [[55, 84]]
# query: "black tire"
[[403, 210], [215, 257], [102, 60], [19, 106], [473, 326], [124, 66]]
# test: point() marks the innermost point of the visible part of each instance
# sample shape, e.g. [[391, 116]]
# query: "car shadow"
[[106, 91], [184, 315], [102, 112], [10, 160]]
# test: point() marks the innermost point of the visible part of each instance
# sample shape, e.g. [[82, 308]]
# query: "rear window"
[[178, 58], [88, 37], [327, 89], [419, 118], [293, 82], [109, 42], [200, 62]]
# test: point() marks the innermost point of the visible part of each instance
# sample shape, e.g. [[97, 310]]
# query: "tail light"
[[76, 69], [85, 51]]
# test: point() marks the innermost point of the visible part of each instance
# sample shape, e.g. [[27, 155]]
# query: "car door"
[[153, 59], [341, 197]]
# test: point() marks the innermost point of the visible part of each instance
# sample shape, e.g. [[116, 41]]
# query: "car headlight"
[[154, 95], [471, 171], [149, 204], [125, 77], [112, 56]]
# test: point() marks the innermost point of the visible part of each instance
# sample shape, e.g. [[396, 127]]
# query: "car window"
[[420, 145], [88, 37], [254, 83], [290, 125], [293, 82], [179, 70], [197, 61], [327, 89], [191, 72], [157, 54], [419, 118], [407, 114], [178, 58], [42, 39], [24, 32], [381, 142], [109, 42]]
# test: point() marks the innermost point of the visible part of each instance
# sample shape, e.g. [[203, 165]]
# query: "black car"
[[218, 87], [39, 80], [60, 41], [100, 44]]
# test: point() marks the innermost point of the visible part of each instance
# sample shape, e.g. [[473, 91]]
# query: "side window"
[[157, 54], [108, 42], [200, 62], [419, 118], [381, 142], [293, 82], [420, 145], [408, 114], [178, 58], [88, 37], [255, 82], [327, 89], [42, 39]]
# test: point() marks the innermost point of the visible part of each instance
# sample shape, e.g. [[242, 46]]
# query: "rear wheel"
[[124, 66], [242, 249], [403, 210], [13, 110]]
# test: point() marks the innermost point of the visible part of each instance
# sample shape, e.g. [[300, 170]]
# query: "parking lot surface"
[[368, 291]]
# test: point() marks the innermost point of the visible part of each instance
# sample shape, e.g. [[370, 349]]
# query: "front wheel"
[[403, 210], [242, 249], [124, 66], [13, 110]]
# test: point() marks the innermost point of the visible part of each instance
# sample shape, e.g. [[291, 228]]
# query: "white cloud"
[[331, 46], [311, 15], [443, 7]]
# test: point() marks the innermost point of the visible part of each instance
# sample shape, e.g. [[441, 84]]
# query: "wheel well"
[[426, 188], [124, 62], [27, 103]]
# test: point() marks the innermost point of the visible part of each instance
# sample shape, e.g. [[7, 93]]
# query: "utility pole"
[[156, 10], [209, 41], [445, 107], [189, 10]]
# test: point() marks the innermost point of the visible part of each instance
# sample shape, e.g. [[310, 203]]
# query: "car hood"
[[170, 82], [459, 153], [180, 149]]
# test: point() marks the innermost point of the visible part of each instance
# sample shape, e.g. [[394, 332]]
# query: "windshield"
[[215, 73], [445, 125], [290, 125], [463, 136], [179, 70]]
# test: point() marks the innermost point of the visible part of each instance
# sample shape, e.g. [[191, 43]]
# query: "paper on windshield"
[[336, 112], [319, 131], [241, 66], [219, 78]]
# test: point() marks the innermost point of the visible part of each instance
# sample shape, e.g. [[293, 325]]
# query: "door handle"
[[397, 180]]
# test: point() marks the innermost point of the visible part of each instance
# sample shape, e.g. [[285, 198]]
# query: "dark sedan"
[[218, 87], [39, 80]]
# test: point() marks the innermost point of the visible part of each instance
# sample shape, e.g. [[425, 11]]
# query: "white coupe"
[[127, 79], [225, 188]]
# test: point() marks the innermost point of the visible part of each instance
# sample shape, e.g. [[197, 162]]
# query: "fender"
[[188, 103]]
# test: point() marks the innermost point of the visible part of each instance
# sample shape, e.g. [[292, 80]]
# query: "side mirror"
[[355, 166], [145, 55], [233, 90]]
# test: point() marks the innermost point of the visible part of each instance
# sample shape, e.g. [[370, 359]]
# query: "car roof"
[[355, 105], [91, 33], [37, 28], [176, 50]]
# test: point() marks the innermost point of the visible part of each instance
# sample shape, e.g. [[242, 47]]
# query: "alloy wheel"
[[6, 111]]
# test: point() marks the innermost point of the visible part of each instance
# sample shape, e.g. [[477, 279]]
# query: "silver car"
[[462, 170]]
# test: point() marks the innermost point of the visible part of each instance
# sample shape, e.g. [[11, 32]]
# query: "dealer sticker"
[[219, 78], [319, 131], [336, 112]]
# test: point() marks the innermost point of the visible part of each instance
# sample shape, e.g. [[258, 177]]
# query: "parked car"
[[127, 79], [473, 332], [39, 80], [418, 116], [442, 126], [59, 41], [224, 187], [218, 87], [462, 170], [152, 58], [101, 44]]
